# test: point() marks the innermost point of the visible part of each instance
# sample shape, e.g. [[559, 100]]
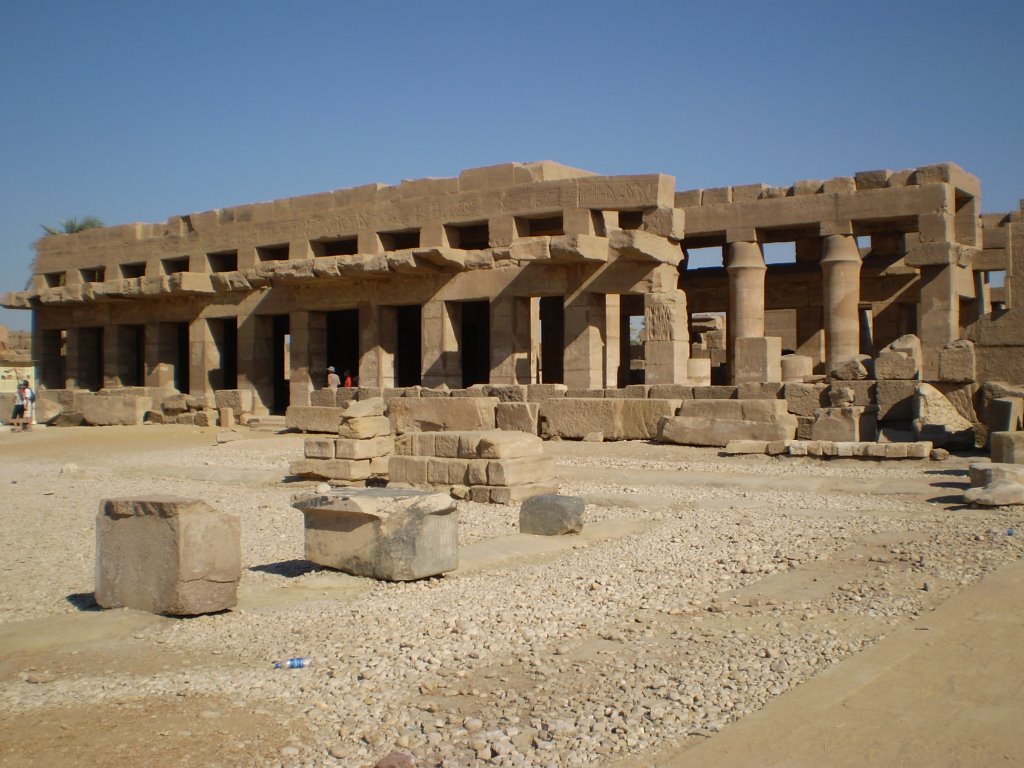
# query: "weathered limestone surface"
[[895, 399], [437, 414], [847, 424], [1005, 414], [238, 399], [331, 469], [937, 419], [957, 362], [518, 417], [719, 422], [112, 410], [617, 418], [364, 427], [902, 359], [804, 399], [381, 533], [311, 418], [1008, 447], [165, 554], [552, 515], [986, 473], [856, 449]]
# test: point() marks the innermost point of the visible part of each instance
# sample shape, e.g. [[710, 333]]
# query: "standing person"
[[28, 397], [348, 379], [333, 380], [18, 414]]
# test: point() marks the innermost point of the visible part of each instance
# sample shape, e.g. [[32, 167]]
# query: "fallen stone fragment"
[[552, 515]]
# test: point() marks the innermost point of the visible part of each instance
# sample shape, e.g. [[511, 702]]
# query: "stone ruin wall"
[[202, 302]]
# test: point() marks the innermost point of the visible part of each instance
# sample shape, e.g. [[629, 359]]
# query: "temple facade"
[[533, 273]]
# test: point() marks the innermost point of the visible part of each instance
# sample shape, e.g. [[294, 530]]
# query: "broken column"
[[165, 554]]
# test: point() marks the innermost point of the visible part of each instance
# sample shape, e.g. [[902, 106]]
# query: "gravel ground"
[[720, 599]]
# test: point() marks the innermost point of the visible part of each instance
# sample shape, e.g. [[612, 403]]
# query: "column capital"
[[745, 255], [838, 227], [836, 248]]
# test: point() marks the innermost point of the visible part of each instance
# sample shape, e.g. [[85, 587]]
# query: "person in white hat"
[[333, 380]]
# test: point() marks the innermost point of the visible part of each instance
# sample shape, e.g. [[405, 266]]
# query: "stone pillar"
[[300, 382], [666, 337], [938, 319], [440, 344], [159, 370], [613, 339], [584, 340], [982, 294], [746, 269], [369, 345], [510, 340], [113, 341], [867, 331], [253, 355], [203, 357], [72, 358], [840, 267]]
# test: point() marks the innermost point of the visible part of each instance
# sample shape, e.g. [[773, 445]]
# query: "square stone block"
[[168, 555], [381, 533], [1008, 447]]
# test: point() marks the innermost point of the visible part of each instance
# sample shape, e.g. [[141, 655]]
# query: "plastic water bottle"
[[298, 662], [1010, 532]]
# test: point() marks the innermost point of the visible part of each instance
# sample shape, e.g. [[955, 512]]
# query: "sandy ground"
[[703, 590]]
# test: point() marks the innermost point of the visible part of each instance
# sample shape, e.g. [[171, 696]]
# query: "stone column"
[[72, 359], [510, 340], [938, 318], [584, 340], [440, 344], [300, 382], [746, 268], [840, 267], [613, 338], [159, 371], [982, 294], [369, 345], [203, 357], [666, 337], [113, 341]]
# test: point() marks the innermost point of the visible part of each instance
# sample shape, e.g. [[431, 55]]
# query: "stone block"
[[796, 367], [902, 359], [862, 391], [420, 414], [311, 418], [172, 405], [446, 445], [238, 399], [1008, 447], [957, 362], [1003, 493], [508, 393], [330, 469], [112, 410], [715, 392], [761, 390], [226, 418], [183, 418], [167, 555], [804, 399], [476, 472], [850, 370], [509, 445], [318, 448], [692, 430], [670, 392], [364, 449], [205, 418], [937, 419], [895, 399], [469, 444], [804, 427], [849, 424], [364, 427], [617, 418], [532, 469], [364, 406], [539, 393], [408, 470], [698, 371], [1004, 414], [552, 515], [437, 471], [984, 473], [515, 493], [517, 417], [757, 358], [382, 533], [324, 398]]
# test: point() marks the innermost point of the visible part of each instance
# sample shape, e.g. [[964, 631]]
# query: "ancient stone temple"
[[535, 273]]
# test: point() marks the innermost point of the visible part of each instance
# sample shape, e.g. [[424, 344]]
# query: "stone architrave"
[[381, 533], [168, 555], [552, 515]]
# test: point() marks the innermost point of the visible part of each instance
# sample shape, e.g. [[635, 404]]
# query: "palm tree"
[[72, 225]]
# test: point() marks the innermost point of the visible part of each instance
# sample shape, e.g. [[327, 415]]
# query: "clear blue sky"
[[135, 111]]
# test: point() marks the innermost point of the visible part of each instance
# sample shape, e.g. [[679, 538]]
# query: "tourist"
[[18, 414], [348, 379], [28, 397], [333, 380]]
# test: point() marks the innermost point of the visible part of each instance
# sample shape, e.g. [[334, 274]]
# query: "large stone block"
[[324, 398], [532, 469], [695, 430], [509, 445], [957, 361], [238, 399], [848, 424], [517, 417], [985, 473], [366, 406], [165, 554], [757, 358], [1008, 447], [382, 533], [331, 469], [552, 515], [937, 419], [1005, 414], [895, 399], [539, 393], [364, 427], [805, 399], [112, 410], [408, 470], [435, 414], [997, 494], [311, 418], [616, 418], [796, 367], [364, 449], [900, 360]]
